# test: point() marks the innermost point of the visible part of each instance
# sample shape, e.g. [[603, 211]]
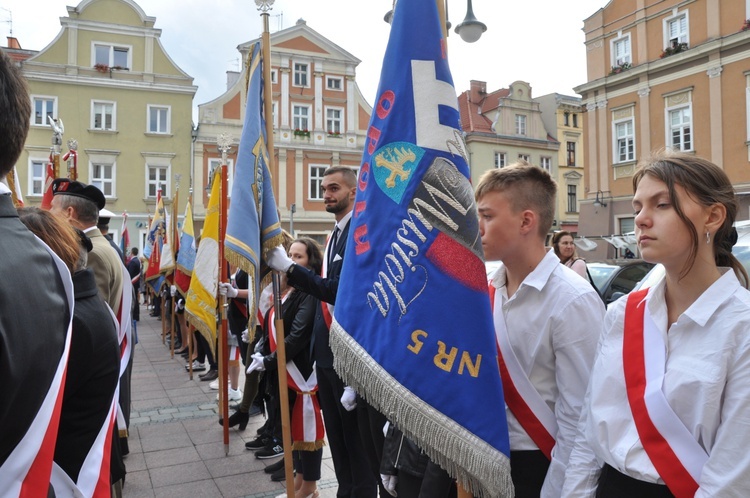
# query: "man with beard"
[[354, 473]]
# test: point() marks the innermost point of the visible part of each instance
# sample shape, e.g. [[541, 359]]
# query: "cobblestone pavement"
[[176, 443]]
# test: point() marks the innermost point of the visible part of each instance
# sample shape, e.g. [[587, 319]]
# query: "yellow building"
[[562, 118], [674, 73], [118, 93], [320, 120]]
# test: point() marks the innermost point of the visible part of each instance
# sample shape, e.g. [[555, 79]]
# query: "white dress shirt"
[[554, 320], [707, 385]]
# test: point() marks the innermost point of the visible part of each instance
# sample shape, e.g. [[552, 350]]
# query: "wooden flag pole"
[[223, 303], [286, 430], [174, 270]]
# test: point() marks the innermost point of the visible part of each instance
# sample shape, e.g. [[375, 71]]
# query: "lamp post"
[[470, 29], [599, 202], [292, 210]]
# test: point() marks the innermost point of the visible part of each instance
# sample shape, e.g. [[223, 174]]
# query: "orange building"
[[673, 73]]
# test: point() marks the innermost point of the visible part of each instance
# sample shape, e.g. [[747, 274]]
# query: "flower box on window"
[[102, 68], [301, 133], [620, 68], [335, 134], [673, 49], [746, 25]]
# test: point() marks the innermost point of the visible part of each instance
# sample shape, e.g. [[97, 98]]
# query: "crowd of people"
[[647, 398]]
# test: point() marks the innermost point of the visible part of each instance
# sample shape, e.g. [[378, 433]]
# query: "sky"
[[538, 41]]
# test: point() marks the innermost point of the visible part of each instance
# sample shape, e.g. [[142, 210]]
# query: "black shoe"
[[237, 418], [274, 467], [272, 450], [258, 443], [210, 375], [254, 410], [279, 475]]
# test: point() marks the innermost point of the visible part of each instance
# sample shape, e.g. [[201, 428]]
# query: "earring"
[[708, 237]]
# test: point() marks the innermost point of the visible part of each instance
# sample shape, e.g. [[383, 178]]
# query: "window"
[[316, 181], [676, 29], [300, 115], [274, 76], [571, 149], [572, 199], [158, 178], [300, 74], [103, 177], [546, 163], [520, 124], [575, 120], [273, 115], [215, 162], [333, 121], [501, 159], [102, 115], [680, 127], [42, 107], [566, 118], [158, 119], [333, 83], [624, 141], [524, 157], [111, 55], [621, 53], [37, 169]]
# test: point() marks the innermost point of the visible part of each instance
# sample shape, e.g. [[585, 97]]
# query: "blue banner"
[[413, 330], [253, 222]]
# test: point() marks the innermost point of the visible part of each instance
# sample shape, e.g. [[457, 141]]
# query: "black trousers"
[[613, 484], [528, 469], [350, 462], [436, 483], [371, 423]]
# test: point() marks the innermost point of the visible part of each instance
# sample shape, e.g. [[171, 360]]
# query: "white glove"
[[180, 304], [349, 399], [227, 290], [257, 363], [245, 336], [389, 483], [173, 291], [277, 259]]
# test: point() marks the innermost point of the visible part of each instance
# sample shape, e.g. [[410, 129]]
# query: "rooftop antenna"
[[9, 20], [279, 21]]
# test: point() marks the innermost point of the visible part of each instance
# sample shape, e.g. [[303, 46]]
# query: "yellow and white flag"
[[201, 299]]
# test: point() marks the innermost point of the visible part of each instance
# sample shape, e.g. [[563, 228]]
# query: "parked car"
[[614, 278], [741, 251]]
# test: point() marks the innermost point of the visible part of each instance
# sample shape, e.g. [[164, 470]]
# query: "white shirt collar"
[[538, 278], [4, 190], [341, 224]]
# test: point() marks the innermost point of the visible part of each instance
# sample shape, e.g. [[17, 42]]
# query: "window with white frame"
[[680, 135], [103, 115], [301, 117], [334, 83], [41, 107], [301, 74], [747, 106], [103, 177], [572, 199], [111, 55], [274, 114], [524, 157], [624, 145], [274, 76], [159, 119], [620, 51], [37, 169], [501, 159], [316, 181], [570, 149], [546, 163], [676, 29], [334, 120], [520, 124], [157, 178], [215, 162]]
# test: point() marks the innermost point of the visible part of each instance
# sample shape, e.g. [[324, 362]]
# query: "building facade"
[[320, 120], [674, 73], [503, 127], [562, 118], [107, 77]]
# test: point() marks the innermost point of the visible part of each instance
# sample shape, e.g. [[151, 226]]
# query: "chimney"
[[13, 42], [477, 92], [232, 77]]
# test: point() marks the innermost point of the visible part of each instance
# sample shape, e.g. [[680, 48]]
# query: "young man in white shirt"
[[547, 320]]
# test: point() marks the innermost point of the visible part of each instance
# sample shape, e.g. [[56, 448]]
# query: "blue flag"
[[413, 330], [252, 222]]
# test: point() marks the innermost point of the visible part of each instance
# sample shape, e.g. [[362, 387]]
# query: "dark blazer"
[[91, 379], [324, 289], [34, 318], [299, 313]]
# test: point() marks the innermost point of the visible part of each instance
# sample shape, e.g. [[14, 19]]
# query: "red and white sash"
[[521, 396], [307, 422], [125, 335], [27, 470], [673, 450]]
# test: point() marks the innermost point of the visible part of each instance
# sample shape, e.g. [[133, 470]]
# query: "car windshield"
[[600, 274]]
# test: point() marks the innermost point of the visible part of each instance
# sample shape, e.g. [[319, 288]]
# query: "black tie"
[[332, 247]]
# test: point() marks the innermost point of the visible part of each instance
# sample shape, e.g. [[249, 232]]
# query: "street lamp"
[[599, 202], [470, 30]]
